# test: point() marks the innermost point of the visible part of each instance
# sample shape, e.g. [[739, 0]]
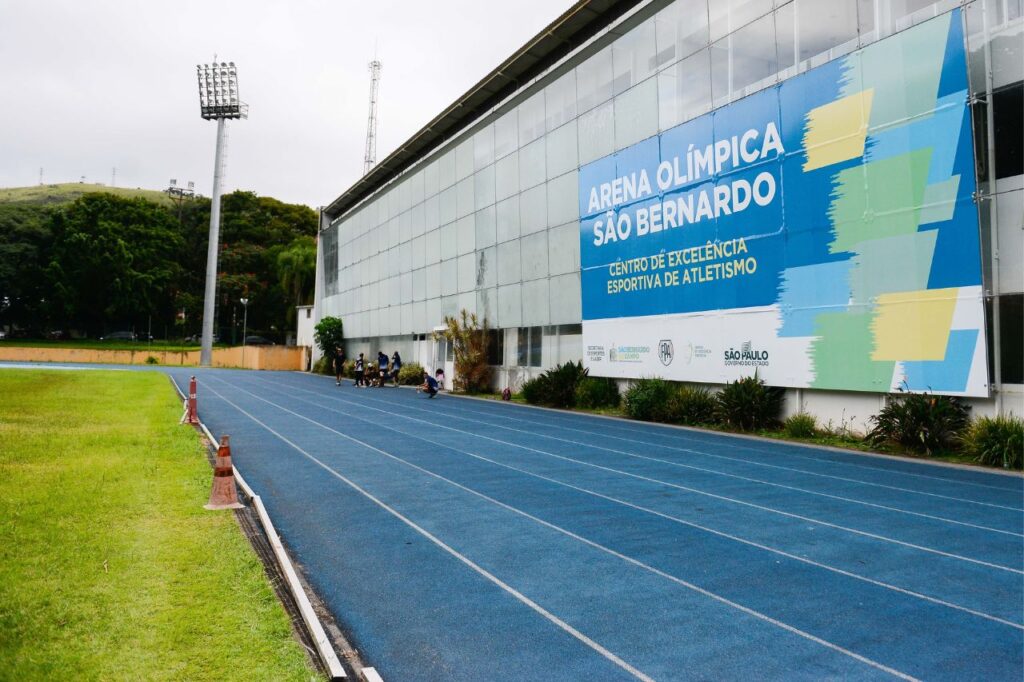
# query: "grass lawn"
[[110, 568]]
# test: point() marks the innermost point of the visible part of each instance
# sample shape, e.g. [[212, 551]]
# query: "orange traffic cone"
[[223, 494]]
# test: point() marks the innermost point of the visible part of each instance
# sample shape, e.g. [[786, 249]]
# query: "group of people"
[[368, 374]]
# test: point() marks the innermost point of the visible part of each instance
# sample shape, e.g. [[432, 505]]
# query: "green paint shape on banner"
[[842, 353], [878, 200]]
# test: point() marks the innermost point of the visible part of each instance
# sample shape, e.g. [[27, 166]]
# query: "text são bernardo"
[[693, 207]]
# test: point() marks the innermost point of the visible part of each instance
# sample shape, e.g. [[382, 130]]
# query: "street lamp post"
[[218, 101], [245, 322]]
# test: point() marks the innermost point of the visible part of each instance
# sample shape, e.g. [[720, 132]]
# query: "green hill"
[[67, 192]]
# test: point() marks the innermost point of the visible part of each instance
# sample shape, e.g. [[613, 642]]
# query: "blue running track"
[[460, 539]]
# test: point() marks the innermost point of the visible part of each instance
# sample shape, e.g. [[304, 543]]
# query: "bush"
[[996, 441], [555, 387], [647, 399], [151, 360], [801, 425], [594, 392], [749, 404], [411, 374], [690, 405], [323, 366], [469, 338], [329, 334], [921, 422]]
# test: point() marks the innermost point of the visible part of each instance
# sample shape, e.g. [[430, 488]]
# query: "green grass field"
[[69, 191], [110, 568]]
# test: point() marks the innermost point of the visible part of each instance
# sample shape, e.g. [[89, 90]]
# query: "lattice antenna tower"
[[370, 158]]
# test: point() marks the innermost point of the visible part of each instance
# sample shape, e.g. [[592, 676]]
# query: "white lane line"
[[704, 453], [625, 503], [717, 496], [628, 559], [557, 419], [522, 598], [762, 481]]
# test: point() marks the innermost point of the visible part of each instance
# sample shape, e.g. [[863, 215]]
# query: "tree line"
[[104, 263]]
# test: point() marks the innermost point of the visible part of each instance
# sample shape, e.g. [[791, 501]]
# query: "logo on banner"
[[746, 356], [665, 351]]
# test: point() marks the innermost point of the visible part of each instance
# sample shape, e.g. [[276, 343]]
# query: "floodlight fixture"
[[218, 101], [218, 91]]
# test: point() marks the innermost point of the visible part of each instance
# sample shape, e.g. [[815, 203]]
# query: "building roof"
[[573, 28]]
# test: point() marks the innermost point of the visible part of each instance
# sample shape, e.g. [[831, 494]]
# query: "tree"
[[113, 261], [25, 238], [469, 339], [296, 271], [329, 334]]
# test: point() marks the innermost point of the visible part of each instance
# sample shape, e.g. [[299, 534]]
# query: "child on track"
[[359, 369], [429, 385]]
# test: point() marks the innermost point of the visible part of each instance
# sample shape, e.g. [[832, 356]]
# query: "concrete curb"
[[323, 644]]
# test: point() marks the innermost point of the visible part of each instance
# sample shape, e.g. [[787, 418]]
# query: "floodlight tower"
[[370, 158], [218, 101]]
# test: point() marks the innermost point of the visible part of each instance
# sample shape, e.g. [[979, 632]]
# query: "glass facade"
[[490, 221]]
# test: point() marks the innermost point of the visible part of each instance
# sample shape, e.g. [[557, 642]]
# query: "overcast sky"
[[90, 85]]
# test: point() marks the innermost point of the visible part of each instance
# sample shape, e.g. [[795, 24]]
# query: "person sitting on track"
[[439, 377], [429, 385]]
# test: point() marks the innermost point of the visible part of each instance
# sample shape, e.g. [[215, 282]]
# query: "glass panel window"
[[523, 346], [506, 134], [483, 183], [506, 176], [744, 62], [633, 56], [483, 148], [465, 201], [507, 219], [726, 16], [536, 345], [464, 159], [495, 346], [485, 227], [560, 101], [594, 80], [446, 201], [684, 90], [596, 133], [532, 164], [680, 30], [636, 114], [822, 30], [561, 150], [533, 210], [531, 118], [430, 180], [1007, 105], [446, 169]]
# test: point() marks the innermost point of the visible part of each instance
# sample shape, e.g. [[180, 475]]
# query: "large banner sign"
[[822, 233]]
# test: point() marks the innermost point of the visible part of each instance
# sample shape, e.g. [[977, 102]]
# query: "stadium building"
[[826, 192]]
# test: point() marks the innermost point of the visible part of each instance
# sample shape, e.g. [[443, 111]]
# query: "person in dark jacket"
[[382, 368], [396, 365], [429, 385], [339, 364]]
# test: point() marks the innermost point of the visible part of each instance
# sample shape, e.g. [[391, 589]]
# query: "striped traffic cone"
[[223, 494]]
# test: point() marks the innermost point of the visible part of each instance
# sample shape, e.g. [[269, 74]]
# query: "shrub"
[[749, 404], [469, 338], [556, 387], [594, 392], [323, 366], [920, 421], [329, 334], [151, 360], [411, 374], [996, 441], [801, 425], [690, 405], [647, 399]]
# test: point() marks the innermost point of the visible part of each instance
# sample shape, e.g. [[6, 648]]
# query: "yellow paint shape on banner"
[[913, 325], [836, 131]]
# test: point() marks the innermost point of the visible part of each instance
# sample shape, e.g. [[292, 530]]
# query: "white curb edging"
[[312, 621]]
